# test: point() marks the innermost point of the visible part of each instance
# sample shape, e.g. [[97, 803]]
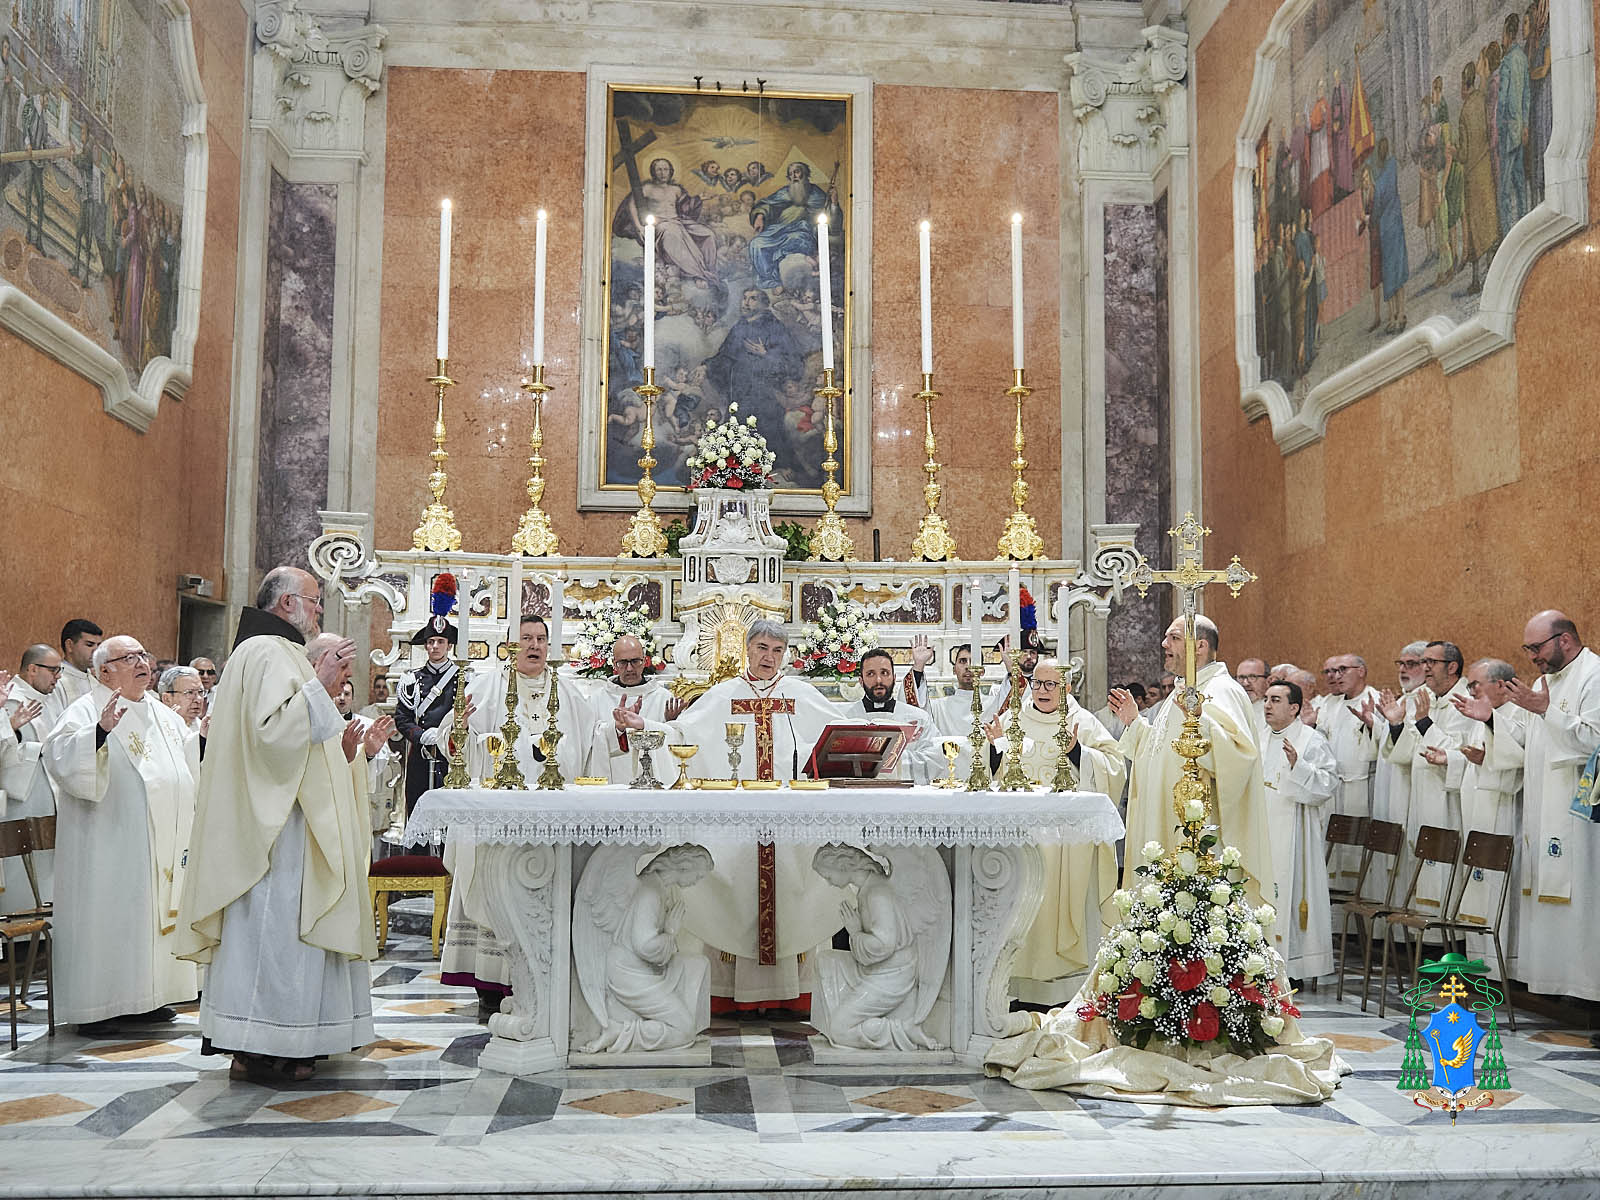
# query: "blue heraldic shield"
[[1453, 1036]]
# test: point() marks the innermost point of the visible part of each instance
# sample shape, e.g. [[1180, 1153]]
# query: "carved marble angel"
[[625, 921], [877, 994]]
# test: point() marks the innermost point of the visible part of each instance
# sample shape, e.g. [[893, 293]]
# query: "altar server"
[[277, 899], [124, 768], [1301, 775]]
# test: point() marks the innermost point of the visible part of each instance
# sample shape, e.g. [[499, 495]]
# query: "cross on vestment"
[[766, 861], [626, 158]]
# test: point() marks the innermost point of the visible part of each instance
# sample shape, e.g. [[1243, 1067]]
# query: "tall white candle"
[[825, 287], [558, 604], [925, 238], [463, 612], [1014, 586], [1016, 290], [444, 280], [650, 291], [514, 604], [975, 621], [538, 288]]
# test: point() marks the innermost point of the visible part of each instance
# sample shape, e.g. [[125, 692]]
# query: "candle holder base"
[[933, 542], [1020, 541], [830, 542], [645, 538]]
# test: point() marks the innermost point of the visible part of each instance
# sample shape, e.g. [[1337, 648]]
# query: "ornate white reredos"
[[1300, 420], [314, 74], [1132, 106]]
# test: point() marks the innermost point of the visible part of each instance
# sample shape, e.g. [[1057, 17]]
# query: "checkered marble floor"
[[146, 1114]]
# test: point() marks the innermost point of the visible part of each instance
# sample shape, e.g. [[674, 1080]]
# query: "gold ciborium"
[[683, 752], [952, 751]]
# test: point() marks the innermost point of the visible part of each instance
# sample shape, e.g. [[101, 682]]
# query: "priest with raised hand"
[[277, 899], [1078, 879], [1391, 781], [474, 956], [953, 713], [627, 703], [1301, 775], [922, 760], [1354, 747], [1232, 766], [33, 704], [763, 906], [124, 768]]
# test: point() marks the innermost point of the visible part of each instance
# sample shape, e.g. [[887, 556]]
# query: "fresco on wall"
[[736, 183], [1403, 139], [92, 159]]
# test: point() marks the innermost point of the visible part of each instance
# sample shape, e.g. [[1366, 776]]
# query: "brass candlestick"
[[438, 531], [979, 777], [534, 536], [1020, 539], [1014, 778], [829, 541], [457, 776], [644, 538], [551, 779], [1066, 778], [507, 774], [933, 542]]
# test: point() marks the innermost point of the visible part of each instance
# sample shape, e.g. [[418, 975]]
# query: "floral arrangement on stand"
[[1190, 963], [609, 620], [730, 455], [832, 647]]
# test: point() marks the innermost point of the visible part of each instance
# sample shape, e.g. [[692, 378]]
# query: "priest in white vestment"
[[1078, 879], [1251, 675], [922, 760], [953, 712], [474, 956], [277, 899], [1558, 950], [79, 637], [1233, 765], [124, 769], [1431, 739], [1354, 748], [1301, 775], [627, 703], [1391, 782], [1491, 802], [782, 717], [33, 705]]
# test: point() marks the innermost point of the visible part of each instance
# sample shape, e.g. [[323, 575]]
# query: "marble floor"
[[144, 1114]]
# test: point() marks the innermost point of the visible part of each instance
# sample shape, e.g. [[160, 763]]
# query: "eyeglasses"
[[136, 656], [1538, 646], [627, 662], [317, 600], [1410, 663], [1435, 662], [1335, 670], [1046, 685], [185, 692], [55, 670], [1242, 678], [208, 671]]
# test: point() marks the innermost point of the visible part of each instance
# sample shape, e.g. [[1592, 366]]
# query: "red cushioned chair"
[[408, 873]]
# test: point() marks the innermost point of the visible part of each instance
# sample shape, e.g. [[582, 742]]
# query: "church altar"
[[549, 865]]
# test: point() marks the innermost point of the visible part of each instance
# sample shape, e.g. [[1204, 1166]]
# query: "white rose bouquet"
[[730, 455], [833, 647], [608, 620]]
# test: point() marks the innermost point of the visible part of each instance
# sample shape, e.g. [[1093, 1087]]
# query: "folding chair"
[[19, 839], [1343, 830], [1384, 840], [1434, 845], [1489, 852]]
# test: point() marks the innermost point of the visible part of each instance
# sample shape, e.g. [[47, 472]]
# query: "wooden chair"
[[1343, 830], [1434, 845], [1485, 852], [19, 839], [1384, 840], [408, 873]]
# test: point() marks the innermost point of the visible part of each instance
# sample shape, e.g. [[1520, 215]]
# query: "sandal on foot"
[[252, 1068]]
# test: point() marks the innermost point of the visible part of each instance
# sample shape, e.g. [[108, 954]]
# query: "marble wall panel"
[[1138, 428], [296, 371]]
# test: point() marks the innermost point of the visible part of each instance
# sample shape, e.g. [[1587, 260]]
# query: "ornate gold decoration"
[[457, 776], [1020, 539], [507, 774], [684, 752], [979, 778], [438, 531], [550, 779], [534, 536], [644, 538], [1066, 777], [829, 541], [933, 542], [1014, 778]]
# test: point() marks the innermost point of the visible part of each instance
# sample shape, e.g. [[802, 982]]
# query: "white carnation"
[[1266, 914], [1150, 894], [1194, 810], [1251, 932]]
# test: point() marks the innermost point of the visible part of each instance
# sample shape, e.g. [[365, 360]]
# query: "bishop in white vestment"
[[124, 768], [1301, 775]]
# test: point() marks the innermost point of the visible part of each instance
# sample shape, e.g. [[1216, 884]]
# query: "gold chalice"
[[952, 751], [683, 753]]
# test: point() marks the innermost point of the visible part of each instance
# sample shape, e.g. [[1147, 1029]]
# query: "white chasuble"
[[615, 753], [921, 761], [1491, 802], [1356, 751], [953, 713], [1558, 939], [1233, 768], [122, 831], [1297, 805], [1435, 790], [1391, 799]]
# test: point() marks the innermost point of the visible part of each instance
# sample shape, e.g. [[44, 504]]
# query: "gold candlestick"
[[1020, 539], [933, 542], [507, 774], [551, 779], [1066, 778], [1014, 778], [534, 536], [644, 538], [438, 530], [457, 776], [979, 777], [829, 541]]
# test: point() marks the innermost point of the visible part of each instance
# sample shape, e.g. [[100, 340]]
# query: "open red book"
[[858, 751]]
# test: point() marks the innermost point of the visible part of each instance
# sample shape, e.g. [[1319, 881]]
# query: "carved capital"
[[315, 73], [1131, 105]]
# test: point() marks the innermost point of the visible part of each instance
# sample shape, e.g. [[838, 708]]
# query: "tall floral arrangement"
[[731, 455], [833, 646], [1190, 963], [609, 620]]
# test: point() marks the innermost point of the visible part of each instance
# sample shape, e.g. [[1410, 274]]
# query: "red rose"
[[1186, 976], [735, 482], [1205, 1023], [1128, 1002]]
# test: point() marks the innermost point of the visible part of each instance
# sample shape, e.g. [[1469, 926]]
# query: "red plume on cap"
[[443, 599], [1028, 616]]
